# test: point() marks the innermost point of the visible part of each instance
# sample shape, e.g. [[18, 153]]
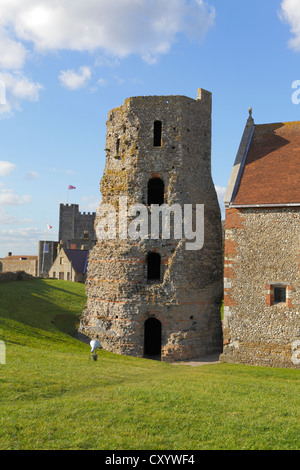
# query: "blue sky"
[[64, 64]]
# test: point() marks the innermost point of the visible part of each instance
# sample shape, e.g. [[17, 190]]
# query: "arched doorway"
[[152, 338]]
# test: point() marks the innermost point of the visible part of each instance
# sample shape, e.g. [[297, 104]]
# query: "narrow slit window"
[[117, 146], [157, 133], [156, 189], [153, 266]]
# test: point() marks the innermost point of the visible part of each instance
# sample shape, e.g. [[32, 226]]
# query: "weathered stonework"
[[186, 299], [262, 249]]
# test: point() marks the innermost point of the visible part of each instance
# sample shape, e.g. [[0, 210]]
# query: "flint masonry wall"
[[262, 249], [186, 299]]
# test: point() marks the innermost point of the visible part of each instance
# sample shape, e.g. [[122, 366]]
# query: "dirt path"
[[201, 361]]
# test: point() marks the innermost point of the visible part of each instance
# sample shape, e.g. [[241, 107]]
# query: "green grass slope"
[[52, 396]]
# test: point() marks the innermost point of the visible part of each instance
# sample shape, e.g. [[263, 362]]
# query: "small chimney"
[[9, 253]]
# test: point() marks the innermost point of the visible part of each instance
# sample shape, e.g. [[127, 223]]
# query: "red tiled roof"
[[271, 173]]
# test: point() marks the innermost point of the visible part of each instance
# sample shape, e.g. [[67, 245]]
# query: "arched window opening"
[[152, 338], [156, 189], [157, 133], [153, 266]]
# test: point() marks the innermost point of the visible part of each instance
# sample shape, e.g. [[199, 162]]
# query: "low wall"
[[15, 276]]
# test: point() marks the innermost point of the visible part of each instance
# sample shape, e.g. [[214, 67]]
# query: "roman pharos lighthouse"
[[151, 296]]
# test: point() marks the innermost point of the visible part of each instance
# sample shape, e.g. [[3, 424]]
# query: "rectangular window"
[[157, 133], [61, 261], [279, 294]]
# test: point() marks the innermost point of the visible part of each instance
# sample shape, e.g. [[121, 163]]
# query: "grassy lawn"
[[52, 396]]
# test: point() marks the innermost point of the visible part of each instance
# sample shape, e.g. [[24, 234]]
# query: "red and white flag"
[[71, 187], [49, 227]]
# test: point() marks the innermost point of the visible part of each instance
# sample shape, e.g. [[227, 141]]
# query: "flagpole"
[[44, 253], [69, 187]]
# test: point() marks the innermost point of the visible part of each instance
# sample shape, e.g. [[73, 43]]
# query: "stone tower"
[[153, 296], [76, 228]]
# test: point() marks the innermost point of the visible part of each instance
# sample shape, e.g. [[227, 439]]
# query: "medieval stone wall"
[[29, 266], [76, 227], [186, 299], [262, 251]]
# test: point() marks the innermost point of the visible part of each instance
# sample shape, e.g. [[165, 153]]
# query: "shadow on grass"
[[48, 305]]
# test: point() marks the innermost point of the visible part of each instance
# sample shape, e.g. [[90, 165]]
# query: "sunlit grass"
[[52, 396]]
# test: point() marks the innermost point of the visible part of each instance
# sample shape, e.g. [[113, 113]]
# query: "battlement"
[[74, 224], [93, 214], [75, 208]]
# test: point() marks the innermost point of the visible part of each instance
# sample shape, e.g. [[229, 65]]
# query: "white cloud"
[[118, 28], [20, 241], [12, 53], [31, 175], [90, 203], [18, 87], [104, 61], [74, 80], [6, 219], [6, 168], [102, 82], [9, 198], [290, 13], [110, 29]]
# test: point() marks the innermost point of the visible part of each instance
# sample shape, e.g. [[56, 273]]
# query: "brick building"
[[262, 248]]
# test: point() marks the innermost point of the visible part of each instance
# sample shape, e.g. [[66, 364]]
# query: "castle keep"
[[76, 232], [154, 297]]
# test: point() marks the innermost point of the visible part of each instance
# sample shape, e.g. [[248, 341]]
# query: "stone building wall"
[[76, 228], [15, 276], [47, 252], [27, 264], [186, 299], [262, 251], [62, 269]]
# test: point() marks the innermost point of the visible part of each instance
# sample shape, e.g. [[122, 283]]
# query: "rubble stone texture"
[[262, 249], [186, 300]]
